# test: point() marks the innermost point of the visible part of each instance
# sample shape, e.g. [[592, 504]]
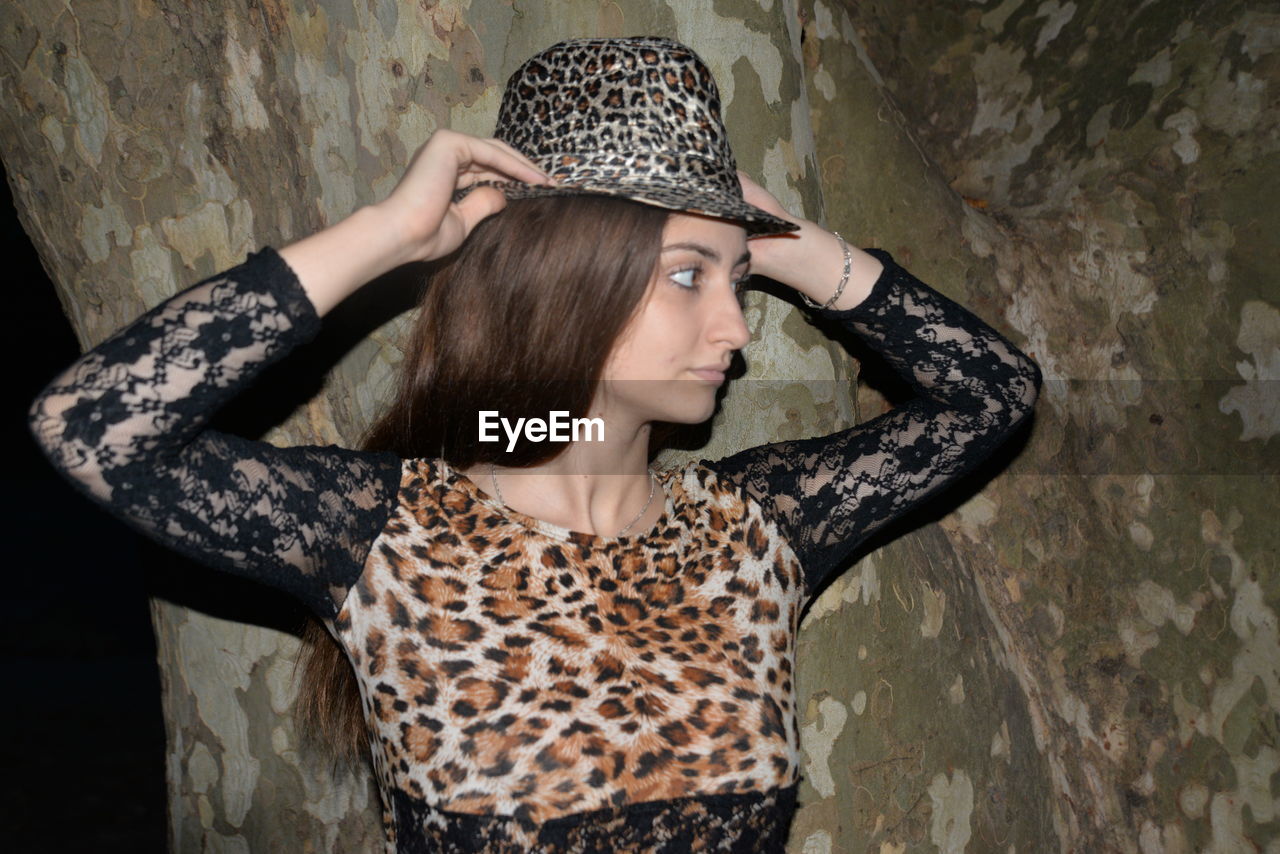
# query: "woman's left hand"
[[780, 256], [811, 259]]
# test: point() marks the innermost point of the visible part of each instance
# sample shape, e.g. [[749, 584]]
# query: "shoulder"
[[703, 493], [701, 482], [432, 485], [732, 525]]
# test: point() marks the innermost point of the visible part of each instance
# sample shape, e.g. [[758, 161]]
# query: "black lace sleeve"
[[126, 425], [973, 388]]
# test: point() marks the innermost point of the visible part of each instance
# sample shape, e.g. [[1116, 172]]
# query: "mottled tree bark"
[[1082, 654]]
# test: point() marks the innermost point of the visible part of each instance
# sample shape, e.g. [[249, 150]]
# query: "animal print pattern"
[[541, 684], [513, 668], [636, 117]]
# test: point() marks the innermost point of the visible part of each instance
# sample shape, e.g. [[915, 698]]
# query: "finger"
[[470, 181], [479, 204], [496, 155], [512, 150], [517, 153], [754, 194], [751, 191]]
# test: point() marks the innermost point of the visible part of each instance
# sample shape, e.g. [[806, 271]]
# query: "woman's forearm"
[[812, 262], [809, 259], [138, 398], [944, 351], [334, 263], [973, 388], [418, 221]]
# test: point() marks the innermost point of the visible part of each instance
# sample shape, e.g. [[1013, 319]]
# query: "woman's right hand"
[[431, 223], [418, 221]]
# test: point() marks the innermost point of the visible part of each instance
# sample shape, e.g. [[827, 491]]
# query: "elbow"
[[62, 434], [1027, 382], [1034, 380], [44, 428]]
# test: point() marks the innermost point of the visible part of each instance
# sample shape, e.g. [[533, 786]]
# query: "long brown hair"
[[520, 320]]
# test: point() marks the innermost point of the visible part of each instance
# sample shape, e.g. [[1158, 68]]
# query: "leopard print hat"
[[635, 118]]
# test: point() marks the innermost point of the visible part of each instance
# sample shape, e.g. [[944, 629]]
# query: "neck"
[[594, 487]]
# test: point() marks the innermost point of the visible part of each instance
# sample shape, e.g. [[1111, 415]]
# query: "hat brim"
[[720, 206]]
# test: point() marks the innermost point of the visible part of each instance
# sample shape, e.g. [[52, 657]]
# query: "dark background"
[[83, 752]]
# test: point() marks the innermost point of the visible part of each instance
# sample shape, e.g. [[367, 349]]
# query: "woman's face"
[[671, 358]]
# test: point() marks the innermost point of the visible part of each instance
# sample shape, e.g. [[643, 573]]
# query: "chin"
[[684, 417], [687, 409], [673, 402]]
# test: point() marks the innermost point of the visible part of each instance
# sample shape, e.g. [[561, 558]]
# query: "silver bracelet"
[[844, 277]]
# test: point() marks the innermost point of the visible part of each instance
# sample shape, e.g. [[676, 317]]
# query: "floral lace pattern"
[[756, 823], [126, 424], [832, 492]]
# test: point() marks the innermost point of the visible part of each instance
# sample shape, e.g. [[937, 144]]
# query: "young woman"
[[556, 649]]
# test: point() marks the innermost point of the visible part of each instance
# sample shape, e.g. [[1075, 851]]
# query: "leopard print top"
[[527, 687]]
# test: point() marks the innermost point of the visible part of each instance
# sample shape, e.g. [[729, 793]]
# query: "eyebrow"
[[706, 252]]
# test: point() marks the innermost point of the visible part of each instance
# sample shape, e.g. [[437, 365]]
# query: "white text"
[[558, 427]]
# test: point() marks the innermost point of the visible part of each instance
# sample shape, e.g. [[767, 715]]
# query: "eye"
[[686, 278]]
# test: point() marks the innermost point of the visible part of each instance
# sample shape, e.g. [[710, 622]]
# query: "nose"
[[728, 327]]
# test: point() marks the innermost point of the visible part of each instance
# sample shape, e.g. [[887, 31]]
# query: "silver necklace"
[[653, 487]]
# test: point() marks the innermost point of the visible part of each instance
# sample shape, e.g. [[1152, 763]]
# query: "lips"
[[712, 374]]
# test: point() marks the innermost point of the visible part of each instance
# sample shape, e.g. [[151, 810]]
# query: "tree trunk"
[[1081, 654]]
